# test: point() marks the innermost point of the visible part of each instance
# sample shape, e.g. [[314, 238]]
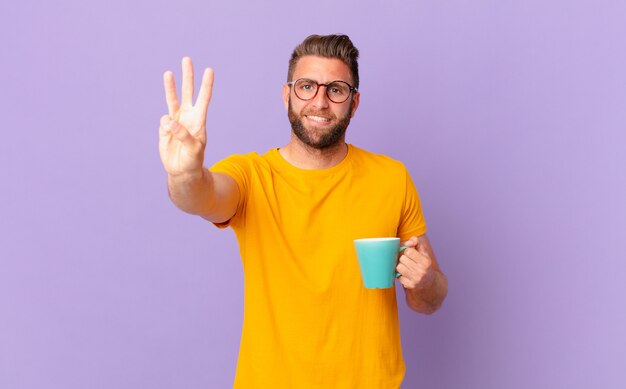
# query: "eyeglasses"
[[336, 91]]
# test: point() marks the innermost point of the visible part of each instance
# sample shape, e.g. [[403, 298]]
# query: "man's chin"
[[317, 132], [320, 140]]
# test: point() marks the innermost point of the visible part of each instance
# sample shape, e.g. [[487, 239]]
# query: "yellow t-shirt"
[[308, 320]]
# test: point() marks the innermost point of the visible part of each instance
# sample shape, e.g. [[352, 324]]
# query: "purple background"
[[509, 115]]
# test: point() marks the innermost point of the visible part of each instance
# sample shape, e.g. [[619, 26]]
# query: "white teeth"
[[318, 118]]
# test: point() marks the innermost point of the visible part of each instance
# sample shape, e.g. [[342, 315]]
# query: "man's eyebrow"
[[321, 83]]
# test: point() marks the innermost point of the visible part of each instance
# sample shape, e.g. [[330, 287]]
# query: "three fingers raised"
[[204, 96]]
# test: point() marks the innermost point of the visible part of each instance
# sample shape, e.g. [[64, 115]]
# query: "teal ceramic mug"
[[378, 258]]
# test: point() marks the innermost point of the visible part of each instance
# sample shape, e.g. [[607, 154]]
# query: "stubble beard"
[[326, 140]]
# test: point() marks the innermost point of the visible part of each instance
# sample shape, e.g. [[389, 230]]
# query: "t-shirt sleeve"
[[238, 167], [412, 222]]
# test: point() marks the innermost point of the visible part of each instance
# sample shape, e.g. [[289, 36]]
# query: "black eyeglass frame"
[[351, 88]]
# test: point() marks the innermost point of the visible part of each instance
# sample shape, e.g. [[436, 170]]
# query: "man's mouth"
[[318, 119]]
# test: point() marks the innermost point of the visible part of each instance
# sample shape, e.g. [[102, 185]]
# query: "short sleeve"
[[238, 167], [412, 222]]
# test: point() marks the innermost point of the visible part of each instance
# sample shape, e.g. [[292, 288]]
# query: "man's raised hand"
[[182, 134]]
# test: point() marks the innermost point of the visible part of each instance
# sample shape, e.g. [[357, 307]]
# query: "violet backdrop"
[[509, 115]]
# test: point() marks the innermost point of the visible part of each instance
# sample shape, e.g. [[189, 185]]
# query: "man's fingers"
[[182, 134], [187, 89], [206, 89], [402, 268], [406, 253], [170, 93], [164, 124], [415, 255], [407, 258]]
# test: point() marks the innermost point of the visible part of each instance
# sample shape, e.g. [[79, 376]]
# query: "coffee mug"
[[378, 258]]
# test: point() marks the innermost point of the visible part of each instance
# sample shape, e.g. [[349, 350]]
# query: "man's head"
[[320, 118]]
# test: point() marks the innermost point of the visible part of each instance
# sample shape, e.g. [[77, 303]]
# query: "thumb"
[[412, 242], [164, 125], [422, 250]]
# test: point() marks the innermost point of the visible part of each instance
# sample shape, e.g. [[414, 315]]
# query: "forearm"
[[192, 193], [428, 299]]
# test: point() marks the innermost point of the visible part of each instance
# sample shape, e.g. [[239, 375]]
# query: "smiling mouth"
[[318, 119]]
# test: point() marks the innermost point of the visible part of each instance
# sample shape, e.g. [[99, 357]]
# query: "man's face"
[[319, 122]]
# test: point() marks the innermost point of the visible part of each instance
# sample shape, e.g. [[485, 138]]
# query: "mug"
[[377, 260]]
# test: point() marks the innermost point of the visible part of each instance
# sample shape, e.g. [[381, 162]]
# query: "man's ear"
[[286, 91], [355, 103]]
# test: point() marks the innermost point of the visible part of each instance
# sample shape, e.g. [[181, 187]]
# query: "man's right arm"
[[182, 141], [214, 196]]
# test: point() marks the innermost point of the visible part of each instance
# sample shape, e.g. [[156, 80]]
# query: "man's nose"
[[321, 100]]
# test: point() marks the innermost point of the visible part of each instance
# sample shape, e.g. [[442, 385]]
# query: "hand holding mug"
[[415, 266]]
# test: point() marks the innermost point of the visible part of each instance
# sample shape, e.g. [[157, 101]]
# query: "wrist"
[[187, 176]]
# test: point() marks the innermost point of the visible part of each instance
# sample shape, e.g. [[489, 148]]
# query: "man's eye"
[[337, 90]]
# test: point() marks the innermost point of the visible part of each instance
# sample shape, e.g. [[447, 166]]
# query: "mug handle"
[[400, 250]]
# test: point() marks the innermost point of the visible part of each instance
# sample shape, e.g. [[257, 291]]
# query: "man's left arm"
[[425, 286]]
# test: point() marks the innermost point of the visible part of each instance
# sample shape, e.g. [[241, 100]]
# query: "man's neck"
[[306, 157]]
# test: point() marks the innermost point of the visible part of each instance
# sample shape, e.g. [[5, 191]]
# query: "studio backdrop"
[[509, 115]]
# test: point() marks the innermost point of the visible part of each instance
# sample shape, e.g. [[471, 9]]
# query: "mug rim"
[[376, 239]]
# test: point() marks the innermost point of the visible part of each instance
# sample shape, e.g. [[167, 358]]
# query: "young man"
[[308, 320]]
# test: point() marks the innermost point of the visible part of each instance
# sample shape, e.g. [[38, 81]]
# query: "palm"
[[183, 151]]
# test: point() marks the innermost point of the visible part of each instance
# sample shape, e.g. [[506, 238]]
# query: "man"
[[308, 320]]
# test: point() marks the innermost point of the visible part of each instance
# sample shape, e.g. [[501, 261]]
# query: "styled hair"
[[337, 46]]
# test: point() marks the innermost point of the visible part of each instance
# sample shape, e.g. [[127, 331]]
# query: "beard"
[[326, 140]]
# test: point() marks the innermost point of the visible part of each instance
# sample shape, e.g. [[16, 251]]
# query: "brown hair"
[[328, 46]]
